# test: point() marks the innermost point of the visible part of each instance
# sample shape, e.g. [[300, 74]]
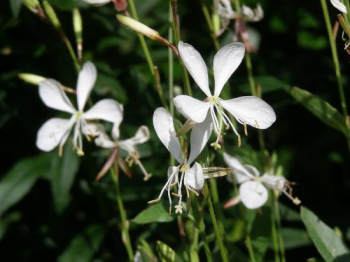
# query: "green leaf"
[[294, 238], [154, 213], [83, 246], [62, 174], [321, 109], [20, 180], [328, 244], [166, 253], [267, 83], [16, 7]]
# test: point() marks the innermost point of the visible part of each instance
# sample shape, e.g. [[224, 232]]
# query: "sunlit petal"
[[164, 125], [106, 109], [199, 137], [194, 177], [191, 108], [339, 5], [53, 96], [250, 110], [253, 194], [226, 61], [52, 132], [86, 81], [195, 66]]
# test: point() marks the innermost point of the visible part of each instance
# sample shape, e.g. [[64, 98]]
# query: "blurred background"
[[51, 208]]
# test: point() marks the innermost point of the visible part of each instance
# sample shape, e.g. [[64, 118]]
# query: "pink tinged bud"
[[120, 5]]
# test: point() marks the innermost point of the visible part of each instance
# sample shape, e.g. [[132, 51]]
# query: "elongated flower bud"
[[31, 78], [138, 27], [51, 14]]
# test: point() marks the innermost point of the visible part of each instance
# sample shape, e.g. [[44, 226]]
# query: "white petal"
[[252, 170], [194, 177], [97, 2], [53, 96], [142, 135], [86, 81], [93, 129], [164, 125], [247, 12], [253, 194], [104, 141], [199, 137], [251, 110], [106, 109], [195, 66], [239, 172], [274, 182], [339, 5], [226, 61], [191, 108], [52, 132]]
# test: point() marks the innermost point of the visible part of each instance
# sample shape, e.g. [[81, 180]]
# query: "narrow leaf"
[[328, 244], [166, 253], [154, 213], [16, 7], [321, 109], [62, 174], [20, 180], [83, 246]]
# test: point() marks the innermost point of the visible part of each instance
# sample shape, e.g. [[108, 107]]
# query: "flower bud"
[[138, 27], [50, 12], [31, 79]]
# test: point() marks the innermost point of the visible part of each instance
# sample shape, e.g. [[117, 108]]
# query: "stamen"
[[147, 175], [245, 129], [165, 186]]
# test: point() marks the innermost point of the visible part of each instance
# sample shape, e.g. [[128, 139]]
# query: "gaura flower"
[[129, 146], [191, 177], [55, 131], [249, 110], [252, 190], [339, 5]]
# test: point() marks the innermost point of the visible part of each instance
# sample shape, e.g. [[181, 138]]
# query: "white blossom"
[[339, 5], [249, 110], [191, 177], [252, 190], [55, 131]]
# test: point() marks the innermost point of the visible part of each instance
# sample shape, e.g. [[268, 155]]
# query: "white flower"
[[251, 15], [225, 11], [339, 5], [55, 131], [191, 177], [249, 110], [253, 192], [129, 145]]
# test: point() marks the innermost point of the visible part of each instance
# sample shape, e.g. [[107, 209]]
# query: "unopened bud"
[[51, 14], [138, 27], [32, 5], [31, 79]]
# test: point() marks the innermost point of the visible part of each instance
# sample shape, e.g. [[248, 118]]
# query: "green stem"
[[201, 227], [250, 249], [171, 65], [215, 224], [273, 229], [142, 39], [176, 25], [347, 4], [279, 228], [248, 63], [335, 59], [122, 214], [210, 25]]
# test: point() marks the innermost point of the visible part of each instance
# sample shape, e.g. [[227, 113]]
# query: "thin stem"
[[273, 229], [201, 227], [279, 228], [347, 4], [142, 39], [176, 25], [250, 249], [122, 214], [171, 64], [335, 59], [215, 224], [248, 63], [210, 25]]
